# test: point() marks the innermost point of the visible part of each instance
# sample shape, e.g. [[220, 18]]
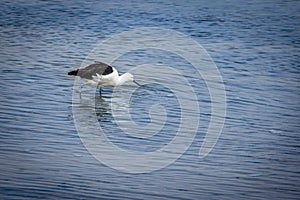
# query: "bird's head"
[[127, 77]]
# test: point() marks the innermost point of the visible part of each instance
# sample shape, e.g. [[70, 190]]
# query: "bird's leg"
[[100, 90], [80, 89]]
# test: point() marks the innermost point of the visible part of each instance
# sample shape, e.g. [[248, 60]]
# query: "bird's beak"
[[137, 83]]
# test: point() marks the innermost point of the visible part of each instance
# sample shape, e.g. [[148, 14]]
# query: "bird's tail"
[[73, 73]]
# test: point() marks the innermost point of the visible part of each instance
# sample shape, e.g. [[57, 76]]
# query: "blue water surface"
[[255, 45]]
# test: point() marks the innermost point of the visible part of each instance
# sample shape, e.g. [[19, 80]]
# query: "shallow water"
[[255, 46]]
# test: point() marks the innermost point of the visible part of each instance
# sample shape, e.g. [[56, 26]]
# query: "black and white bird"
[[100, 74]]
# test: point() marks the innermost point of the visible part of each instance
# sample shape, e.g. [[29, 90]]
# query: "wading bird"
[[100, 74]]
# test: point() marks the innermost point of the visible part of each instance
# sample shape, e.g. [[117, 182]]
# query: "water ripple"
[[256, 48]]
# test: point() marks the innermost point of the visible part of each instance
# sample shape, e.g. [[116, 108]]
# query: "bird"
[[100, 74]]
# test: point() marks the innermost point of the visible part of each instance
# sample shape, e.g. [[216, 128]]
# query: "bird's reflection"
[[103, 108]]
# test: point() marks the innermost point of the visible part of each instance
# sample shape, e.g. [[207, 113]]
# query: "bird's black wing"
[[93, 69]]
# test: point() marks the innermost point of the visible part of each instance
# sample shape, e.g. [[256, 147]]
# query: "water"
[[256, 48]]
